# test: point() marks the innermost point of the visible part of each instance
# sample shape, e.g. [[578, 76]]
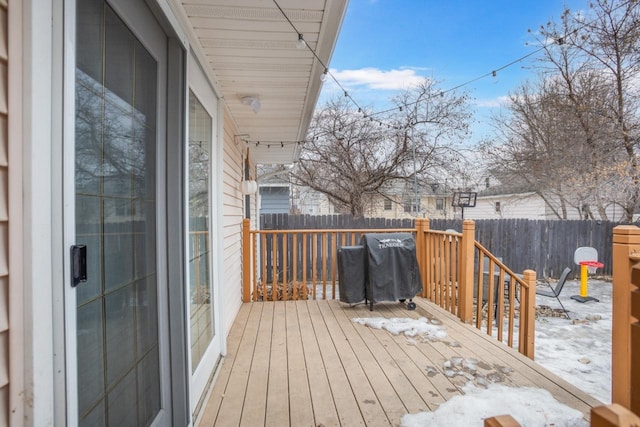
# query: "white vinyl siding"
[[4, 219], [232, 227]]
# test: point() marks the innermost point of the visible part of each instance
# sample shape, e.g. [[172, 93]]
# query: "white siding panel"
[[4, 222], [232, 223]]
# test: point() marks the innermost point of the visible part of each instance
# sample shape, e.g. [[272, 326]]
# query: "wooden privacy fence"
[[302, 264], [551, 242]]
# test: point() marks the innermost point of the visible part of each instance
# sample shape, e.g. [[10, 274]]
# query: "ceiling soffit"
[[251, 50]]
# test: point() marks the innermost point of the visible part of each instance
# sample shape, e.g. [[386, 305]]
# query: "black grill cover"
[[351, 271], [392, 266]]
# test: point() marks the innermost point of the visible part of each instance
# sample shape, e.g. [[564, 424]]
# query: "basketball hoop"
[[592, 266]]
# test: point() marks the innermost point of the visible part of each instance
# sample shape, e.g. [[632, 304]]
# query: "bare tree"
[[352, 156], [573, 136]]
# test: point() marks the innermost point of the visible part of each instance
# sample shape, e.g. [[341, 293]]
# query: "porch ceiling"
[[251, 51]]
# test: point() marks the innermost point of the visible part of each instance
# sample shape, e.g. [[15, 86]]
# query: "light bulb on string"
[[323, 76], [300, 44]]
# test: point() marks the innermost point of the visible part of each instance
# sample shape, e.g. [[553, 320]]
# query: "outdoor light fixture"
[[249, 187], [300, 44], [323, 76], [252, 101]]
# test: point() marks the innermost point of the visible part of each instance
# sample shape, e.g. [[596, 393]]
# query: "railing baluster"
[[334, 263], [479, 291], [490, 296], [512, 311], [314, 264], [324, 264], [304, 259], [274, 267], [285, 255], [294, 260], [500, 305], [263, 254]]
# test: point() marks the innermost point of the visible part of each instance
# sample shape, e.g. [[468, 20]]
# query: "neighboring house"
[[310, 202], [527, 205], [275, 198], [274, 190], [511, 205], [126, 129], [401, 203], [406, 206]]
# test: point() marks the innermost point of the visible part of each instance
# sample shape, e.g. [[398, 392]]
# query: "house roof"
[[250, 49]]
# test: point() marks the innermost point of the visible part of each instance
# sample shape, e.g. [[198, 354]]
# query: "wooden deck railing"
[[462, 276], [295, 264], [625, 351], [301, 264]]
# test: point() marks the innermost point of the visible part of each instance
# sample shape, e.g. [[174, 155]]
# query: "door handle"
[[78, 264]]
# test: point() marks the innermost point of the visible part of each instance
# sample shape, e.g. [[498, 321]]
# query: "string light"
[[282, 144], [301, 44]]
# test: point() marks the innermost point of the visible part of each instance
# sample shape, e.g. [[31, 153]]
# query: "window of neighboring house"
[[439, 204], [497, 206], [411, 205], [387, 205]]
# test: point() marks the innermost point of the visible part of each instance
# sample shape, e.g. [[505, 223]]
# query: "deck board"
[[324, 408], [212, 406], [306, 363], [354, 363], [343, 397], [278, 390], [255, 398], [394, 390], [300, 408]]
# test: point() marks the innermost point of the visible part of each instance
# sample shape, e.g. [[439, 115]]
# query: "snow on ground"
[[577, 349], [529, 406]]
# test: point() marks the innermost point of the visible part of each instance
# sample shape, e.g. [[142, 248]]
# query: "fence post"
[[421, 224], [528, 316], [626, 277], [466, 271], [246, 260]]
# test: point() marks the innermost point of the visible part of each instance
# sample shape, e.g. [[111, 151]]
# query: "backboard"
[[585, 253], [464, 199]]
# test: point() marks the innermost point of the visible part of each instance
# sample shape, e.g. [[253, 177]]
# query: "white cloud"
[[500, 101], [374, 78]]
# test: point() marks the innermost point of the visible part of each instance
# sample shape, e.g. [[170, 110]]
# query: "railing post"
[[528, 316], [501, 421], [626, 277], [465, 289], [246, 260], [421, 225], [613, 415]]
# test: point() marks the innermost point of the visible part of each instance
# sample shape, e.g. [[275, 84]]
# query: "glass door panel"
[[115, 177], [201, 309]]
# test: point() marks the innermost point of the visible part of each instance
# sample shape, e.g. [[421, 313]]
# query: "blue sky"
[[385, 45]]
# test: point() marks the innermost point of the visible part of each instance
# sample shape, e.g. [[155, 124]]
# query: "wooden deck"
[[305, 363]]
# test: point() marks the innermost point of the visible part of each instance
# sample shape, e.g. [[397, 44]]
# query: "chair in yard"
[[555, 291]]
